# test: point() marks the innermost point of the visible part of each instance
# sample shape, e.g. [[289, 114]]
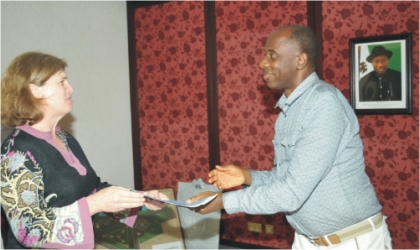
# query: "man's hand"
[[229, 176], [214, 205]]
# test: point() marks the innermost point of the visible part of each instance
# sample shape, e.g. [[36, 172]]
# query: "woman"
[[49, 190]]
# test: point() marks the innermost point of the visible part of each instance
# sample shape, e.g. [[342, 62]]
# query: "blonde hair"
[[18, 105]]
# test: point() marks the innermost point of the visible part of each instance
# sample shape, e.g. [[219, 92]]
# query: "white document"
[[183, 203]]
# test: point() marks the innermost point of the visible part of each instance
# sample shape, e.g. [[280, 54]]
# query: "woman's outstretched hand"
[[114, 199], [155, 205]]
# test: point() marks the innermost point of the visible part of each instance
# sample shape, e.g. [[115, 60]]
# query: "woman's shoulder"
[[16, 135], [19, 139]]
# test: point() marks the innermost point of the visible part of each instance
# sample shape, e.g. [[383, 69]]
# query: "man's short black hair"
[[307, 41]]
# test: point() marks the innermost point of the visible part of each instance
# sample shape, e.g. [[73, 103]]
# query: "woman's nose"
[[70, 88]]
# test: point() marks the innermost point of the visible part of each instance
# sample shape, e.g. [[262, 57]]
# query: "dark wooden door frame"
[[135, 123], [314, 20], [211, 75], [134, 100]]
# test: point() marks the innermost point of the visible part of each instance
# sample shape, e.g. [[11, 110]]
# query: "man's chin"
[[269, 85], [272, 86]]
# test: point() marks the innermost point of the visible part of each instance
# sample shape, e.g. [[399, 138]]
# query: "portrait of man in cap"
[[382, 83]]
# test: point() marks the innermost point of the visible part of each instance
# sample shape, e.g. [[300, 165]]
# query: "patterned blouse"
[[44, 190]]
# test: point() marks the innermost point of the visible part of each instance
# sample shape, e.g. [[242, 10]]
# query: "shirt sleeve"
[[33, 223], [312, 146], [262, 177]]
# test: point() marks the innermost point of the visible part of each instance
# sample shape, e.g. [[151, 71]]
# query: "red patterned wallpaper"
[[173, 107], [170, 49], [391, 141], [246, 105]]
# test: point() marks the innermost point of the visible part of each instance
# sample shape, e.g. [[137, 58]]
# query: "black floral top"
[[44, 191]]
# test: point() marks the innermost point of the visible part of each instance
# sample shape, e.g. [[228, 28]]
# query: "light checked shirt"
[[318, 179]]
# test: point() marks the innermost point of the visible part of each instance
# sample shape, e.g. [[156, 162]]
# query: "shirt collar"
[[38, 134], [285, 102]]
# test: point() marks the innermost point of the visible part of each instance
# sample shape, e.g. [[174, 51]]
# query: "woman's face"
[[56, 93]]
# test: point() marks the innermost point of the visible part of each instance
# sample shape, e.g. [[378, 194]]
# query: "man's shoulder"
[[320, 92], [324, 92], [324, 87], [393, 71], [366, 77]]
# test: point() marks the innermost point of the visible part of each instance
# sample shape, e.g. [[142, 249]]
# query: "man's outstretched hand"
[[214, 205], [229, 176]]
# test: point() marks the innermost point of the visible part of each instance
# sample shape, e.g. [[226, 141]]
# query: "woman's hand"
[[155, 205], [113, 199], [229, 176]]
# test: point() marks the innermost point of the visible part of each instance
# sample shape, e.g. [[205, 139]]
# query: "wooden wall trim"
[[211, 78], [134, 100], [314, 12], [135, 123]]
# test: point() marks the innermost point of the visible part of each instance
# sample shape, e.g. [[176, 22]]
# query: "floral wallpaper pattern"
[[391, 141], [170, 46], [171, 76], [246, 105]]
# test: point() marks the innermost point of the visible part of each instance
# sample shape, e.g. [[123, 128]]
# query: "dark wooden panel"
[[211, 72], [135, 123], [314, 9]]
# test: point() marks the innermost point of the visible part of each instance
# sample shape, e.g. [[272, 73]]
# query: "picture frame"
[[153, 229], [381, 74]]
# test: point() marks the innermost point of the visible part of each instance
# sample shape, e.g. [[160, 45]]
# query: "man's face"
[[280, 61], [380, 64]]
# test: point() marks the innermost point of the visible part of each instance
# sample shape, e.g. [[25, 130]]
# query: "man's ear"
[[36, 91], [302, 61]]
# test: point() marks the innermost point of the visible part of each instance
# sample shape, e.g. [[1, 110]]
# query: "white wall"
[[92, 38]]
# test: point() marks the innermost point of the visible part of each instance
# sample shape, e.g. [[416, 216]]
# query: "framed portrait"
[[152, 230], [381, 74]]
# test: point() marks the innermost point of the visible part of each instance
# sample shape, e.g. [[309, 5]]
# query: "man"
[[383, 83], [318, 179]]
